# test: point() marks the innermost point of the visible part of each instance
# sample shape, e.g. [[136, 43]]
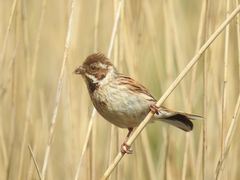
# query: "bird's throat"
[[91, 85]]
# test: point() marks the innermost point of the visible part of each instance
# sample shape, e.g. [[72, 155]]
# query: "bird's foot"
[[154, 109], [126, 149]]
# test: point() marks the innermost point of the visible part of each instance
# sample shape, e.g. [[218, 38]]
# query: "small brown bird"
[[123, 101]]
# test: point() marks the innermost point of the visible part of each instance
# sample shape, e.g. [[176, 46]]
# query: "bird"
[[122, 100]]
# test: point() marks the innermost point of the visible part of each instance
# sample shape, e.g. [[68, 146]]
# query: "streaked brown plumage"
[[123, 101]]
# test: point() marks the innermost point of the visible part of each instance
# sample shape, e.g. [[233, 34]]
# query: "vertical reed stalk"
[[59, 90]]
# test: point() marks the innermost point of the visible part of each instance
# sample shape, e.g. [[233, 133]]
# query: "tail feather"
[[180, 121], [177, 119]]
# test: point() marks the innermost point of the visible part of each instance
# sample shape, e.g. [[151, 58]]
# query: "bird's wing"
[[135, 86]]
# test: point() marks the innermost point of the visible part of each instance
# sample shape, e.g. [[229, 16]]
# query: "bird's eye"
[[93, 67]]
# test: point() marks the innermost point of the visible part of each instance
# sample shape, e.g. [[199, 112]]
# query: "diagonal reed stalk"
[[35, 162], [193, 61]]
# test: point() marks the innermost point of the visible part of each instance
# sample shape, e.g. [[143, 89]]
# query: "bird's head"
[[96, 69]]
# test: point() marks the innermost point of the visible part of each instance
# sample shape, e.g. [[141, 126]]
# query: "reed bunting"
[[123, 101]]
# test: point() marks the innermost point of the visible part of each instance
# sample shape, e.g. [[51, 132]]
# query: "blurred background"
[[43, 104]]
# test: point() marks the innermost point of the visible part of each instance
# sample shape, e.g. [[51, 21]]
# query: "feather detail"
[[121, 100], [134, 86], [178, 119]]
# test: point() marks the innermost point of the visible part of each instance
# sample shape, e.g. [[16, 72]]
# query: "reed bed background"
[[46, 116]]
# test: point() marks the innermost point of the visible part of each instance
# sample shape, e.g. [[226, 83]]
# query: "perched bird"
[[123, 101]]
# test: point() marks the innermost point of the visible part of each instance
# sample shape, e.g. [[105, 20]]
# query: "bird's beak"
[[79, 70]]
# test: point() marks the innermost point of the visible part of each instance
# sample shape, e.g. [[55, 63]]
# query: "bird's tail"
[[178, 119]]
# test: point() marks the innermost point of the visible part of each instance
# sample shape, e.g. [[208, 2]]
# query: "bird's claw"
[[126, 149], [154, 108]]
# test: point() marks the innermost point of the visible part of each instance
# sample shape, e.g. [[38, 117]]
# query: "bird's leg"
[[124, 147], [154, 109]]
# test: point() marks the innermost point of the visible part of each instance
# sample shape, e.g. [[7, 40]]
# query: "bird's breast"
[[120, 106]]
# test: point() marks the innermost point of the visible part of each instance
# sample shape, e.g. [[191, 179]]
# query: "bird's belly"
[[122, 108]]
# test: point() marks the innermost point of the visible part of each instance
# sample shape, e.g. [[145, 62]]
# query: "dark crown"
[[96, 57]]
